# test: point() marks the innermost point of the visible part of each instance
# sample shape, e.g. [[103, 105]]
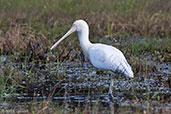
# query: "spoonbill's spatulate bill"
[[104, 57]]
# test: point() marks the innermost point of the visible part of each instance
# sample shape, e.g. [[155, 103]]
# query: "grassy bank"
[[129, 17], [28, 25]]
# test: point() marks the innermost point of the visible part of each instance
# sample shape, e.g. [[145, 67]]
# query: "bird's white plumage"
[[107, 57], [104, 57]]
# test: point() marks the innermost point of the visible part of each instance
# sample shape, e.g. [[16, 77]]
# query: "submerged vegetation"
[[38, 81]]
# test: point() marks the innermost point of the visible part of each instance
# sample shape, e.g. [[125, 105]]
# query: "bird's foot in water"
[[111, 97], [85, 65]]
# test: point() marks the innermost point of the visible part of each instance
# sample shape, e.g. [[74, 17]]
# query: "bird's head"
[[78, 26]]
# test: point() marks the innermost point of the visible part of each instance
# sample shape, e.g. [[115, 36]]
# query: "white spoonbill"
[[104, 57]]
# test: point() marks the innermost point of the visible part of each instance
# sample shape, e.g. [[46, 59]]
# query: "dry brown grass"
[[36, 26], [20, 38]]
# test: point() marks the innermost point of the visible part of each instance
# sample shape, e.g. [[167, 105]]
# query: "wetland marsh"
[[35, 80]]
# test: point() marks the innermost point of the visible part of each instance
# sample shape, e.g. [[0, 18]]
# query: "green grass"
[[134, 14], [150, 46], [44, 21]]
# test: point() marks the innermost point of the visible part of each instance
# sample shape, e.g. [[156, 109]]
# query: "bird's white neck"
[[84, 41]]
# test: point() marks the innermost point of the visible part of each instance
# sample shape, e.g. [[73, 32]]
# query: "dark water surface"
[[72, 84]]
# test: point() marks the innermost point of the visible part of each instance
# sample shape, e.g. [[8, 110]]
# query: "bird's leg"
[[111, 86], [110, 93], [85, 63]]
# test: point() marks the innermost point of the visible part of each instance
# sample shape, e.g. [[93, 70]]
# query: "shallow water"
[[73, 84]]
